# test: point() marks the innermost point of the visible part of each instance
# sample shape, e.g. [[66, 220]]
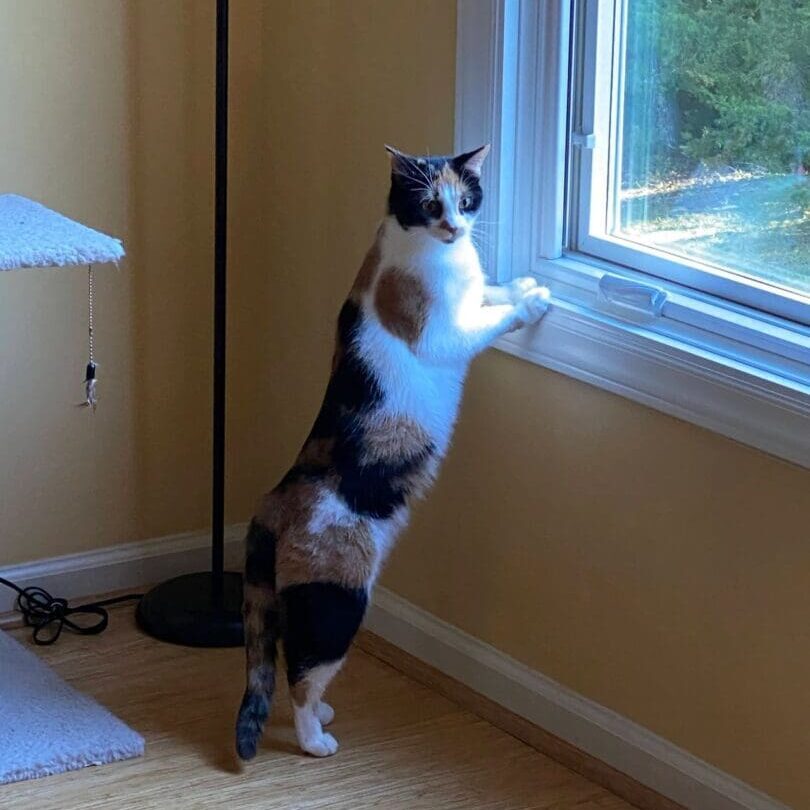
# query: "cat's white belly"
[[437, 392], [427, 393]]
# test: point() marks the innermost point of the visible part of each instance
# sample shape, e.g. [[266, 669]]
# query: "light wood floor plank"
[[403, 746]]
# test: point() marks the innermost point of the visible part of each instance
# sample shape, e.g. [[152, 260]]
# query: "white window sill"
[[673, 365]]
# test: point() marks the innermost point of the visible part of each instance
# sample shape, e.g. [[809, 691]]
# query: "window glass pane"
[[713, 134]]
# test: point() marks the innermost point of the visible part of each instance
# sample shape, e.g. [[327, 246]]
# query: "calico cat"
[[419, 311]]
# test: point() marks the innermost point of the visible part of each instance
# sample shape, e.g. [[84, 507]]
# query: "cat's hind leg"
[[306, 698], [320, 621]]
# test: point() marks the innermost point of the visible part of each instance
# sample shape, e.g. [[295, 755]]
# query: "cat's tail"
[[261, 622]]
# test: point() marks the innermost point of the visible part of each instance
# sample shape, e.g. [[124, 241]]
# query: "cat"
[[419, 311]]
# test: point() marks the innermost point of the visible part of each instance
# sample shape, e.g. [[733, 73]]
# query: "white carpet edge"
[[131, 744]]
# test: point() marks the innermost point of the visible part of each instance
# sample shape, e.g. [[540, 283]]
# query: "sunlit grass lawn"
[[758, 226]]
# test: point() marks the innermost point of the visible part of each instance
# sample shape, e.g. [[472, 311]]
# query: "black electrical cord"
[[49, 615]]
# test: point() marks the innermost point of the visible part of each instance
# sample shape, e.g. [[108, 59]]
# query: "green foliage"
[[717, 83]]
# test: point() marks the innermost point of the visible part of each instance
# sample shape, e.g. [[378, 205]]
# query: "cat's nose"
[[451, 229]]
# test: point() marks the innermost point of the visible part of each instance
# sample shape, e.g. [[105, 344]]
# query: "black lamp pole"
[[204, 609], [220, 299]]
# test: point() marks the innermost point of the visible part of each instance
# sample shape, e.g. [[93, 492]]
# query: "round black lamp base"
[[183, 611]]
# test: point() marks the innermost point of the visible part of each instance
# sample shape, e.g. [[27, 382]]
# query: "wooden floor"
[[402, 745]]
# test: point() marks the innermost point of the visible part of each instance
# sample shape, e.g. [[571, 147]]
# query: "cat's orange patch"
[[343, 553], [258, 601], [337, 354], [402, 304], [362, 283], [420, 480], [449, 177], [367, 271], [392, 439], [316, 452]]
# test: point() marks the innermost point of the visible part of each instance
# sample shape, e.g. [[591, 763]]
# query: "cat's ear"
[[399, 160], [472, 162]]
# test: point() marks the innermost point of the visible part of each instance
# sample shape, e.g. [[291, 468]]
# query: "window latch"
[[633, 296], [583, 140]]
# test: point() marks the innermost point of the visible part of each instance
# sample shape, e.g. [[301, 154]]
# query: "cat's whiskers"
[[485, 231], [423, 183], [415, 181], [482, 240], [429, 184]]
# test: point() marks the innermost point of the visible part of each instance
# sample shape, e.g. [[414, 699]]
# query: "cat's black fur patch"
[[352, 388], [377, 489], [320, 619], [260, 556], [272, 629], [473, 186], [250, 722], [408, 182], [407, 192], [374, 490]]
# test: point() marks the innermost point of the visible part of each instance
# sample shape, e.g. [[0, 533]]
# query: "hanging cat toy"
[[90, 397], [32, 235]]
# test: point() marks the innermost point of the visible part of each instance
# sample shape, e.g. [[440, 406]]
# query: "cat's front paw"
[[533, 305], [519, 287]]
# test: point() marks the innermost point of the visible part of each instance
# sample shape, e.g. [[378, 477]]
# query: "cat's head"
[[441, 194]]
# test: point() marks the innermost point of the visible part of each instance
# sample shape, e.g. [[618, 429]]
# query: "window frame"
[[710, 360]]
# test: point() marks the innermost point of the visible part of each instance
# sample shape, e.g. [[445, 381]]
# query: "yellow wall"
[[67, 479], [108, 119], [656, 568]]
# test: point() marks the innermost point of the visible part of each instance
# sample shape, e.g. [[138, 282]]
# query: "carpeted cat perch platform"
[[47, 727], [32, 235]]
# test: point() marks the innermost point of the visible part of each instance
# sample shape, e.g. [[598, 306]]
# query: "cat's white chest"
[[418, 382]]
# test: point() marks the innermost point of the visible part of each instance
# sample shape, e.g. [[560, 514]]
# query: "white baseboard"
[[600, 732], [126, 566], [592, 728]]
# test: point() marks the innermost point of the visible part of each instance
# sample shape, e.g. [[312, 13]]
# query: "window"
[[651, 164], [697, 115]]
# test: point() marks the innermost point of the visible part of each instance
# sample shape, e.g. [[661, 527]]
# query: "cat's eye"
[[466, 203], [433, 207]]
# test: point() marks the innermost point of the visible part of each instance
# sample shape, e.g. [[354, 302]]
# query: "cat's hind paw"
[[325, 713], [320, 745]]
